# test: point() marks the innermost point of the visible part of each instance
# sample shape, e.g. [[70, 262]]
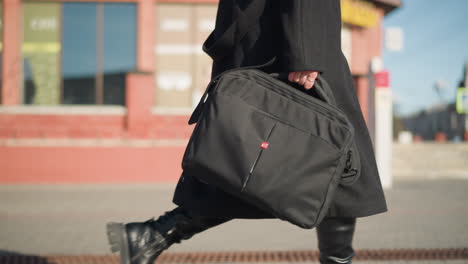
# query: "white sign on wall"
[[174, 81], [174, 25], [43, 23], [394, 39], [178, 49], [206, 25]]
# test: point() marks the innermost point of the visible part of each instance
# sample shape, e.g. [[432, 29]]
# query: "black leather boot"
[[335, 237], [143, 242]]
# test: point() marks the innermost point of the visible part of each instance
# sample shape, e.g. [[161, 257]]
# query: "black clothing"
[[335, 238], [304, 35], [143, 242]]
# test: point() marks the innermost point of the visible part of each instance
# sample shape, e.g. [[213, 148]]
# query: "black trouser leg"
[[197, 223], [143, 242], [335, 237]]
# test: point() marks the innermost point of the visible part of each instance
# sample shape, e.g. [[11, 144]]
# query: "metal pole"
[[464, 83], [371, 103]]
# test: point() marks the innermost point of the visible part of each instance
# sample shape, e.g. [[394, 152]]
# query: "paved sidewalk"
[[426, 160], [67, 219]]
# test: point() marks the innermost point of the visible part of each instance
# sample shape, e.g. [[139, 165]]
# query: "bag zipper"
[[254, 164], [349, 171], [326, 106], [329, 111], [298, 96]]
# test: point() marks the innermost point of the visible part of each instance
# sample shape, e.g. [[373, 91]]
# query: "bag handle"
[[321, 87]]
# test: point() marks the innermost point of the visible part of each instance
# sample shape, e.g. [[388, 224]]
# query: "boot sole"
[[118, 241]]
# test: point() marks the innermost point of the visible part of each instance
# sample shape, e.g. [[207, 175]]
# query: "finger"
[[303, 78], [297, 76], [310, 81], [291, 76], [312, 76], [308, 85]]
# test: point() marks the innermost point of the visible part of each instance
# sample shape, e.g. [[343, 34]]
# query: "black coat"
[[304, 35]]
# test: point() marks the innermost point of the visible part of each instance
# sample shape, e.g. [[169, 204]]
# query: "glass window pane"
[[41, 53], [119, 49], [79, 53]]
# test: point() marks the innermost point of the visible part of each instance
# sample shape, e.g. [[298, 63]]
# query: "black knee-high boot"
[[143, 242], [335, 237]]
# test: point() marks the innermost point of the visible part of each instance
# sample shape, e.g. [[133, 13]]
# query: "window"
[[118, 49], [77, 53], [41, 53]]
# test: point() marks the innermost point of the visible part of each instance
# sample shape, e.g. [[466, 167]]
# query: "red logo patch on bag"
[[264, 145]]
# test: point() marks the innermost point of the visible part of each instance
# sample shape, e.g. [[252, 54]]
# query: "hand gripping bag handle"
[[322, 89]]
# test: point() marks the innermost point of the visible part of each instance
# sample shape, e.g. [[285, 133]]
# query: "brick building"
[[100, 91]]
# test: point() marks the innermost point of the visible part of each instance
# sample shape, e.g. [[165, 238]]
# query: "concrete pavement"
[[430, 160], [70, 219]]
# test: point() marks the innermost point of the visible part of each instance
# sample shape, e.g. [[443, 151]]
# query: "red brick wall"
[[60, 126], [89, 164], [89, 126], [170, 127]]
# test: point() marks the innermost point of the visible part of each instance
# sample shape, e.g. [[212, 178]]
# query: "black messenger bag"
[[267, 142]]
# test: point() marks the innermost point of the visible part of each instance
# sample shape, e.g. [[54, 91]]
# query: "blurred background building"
[[101, 91], [445, 121]]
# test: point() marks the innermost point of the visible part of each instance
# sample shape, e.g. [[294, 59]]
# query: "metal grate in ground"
[[250, 256]]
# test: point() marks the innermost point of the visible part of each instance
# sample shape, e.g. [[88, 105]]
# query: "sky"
[[435, 49]]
